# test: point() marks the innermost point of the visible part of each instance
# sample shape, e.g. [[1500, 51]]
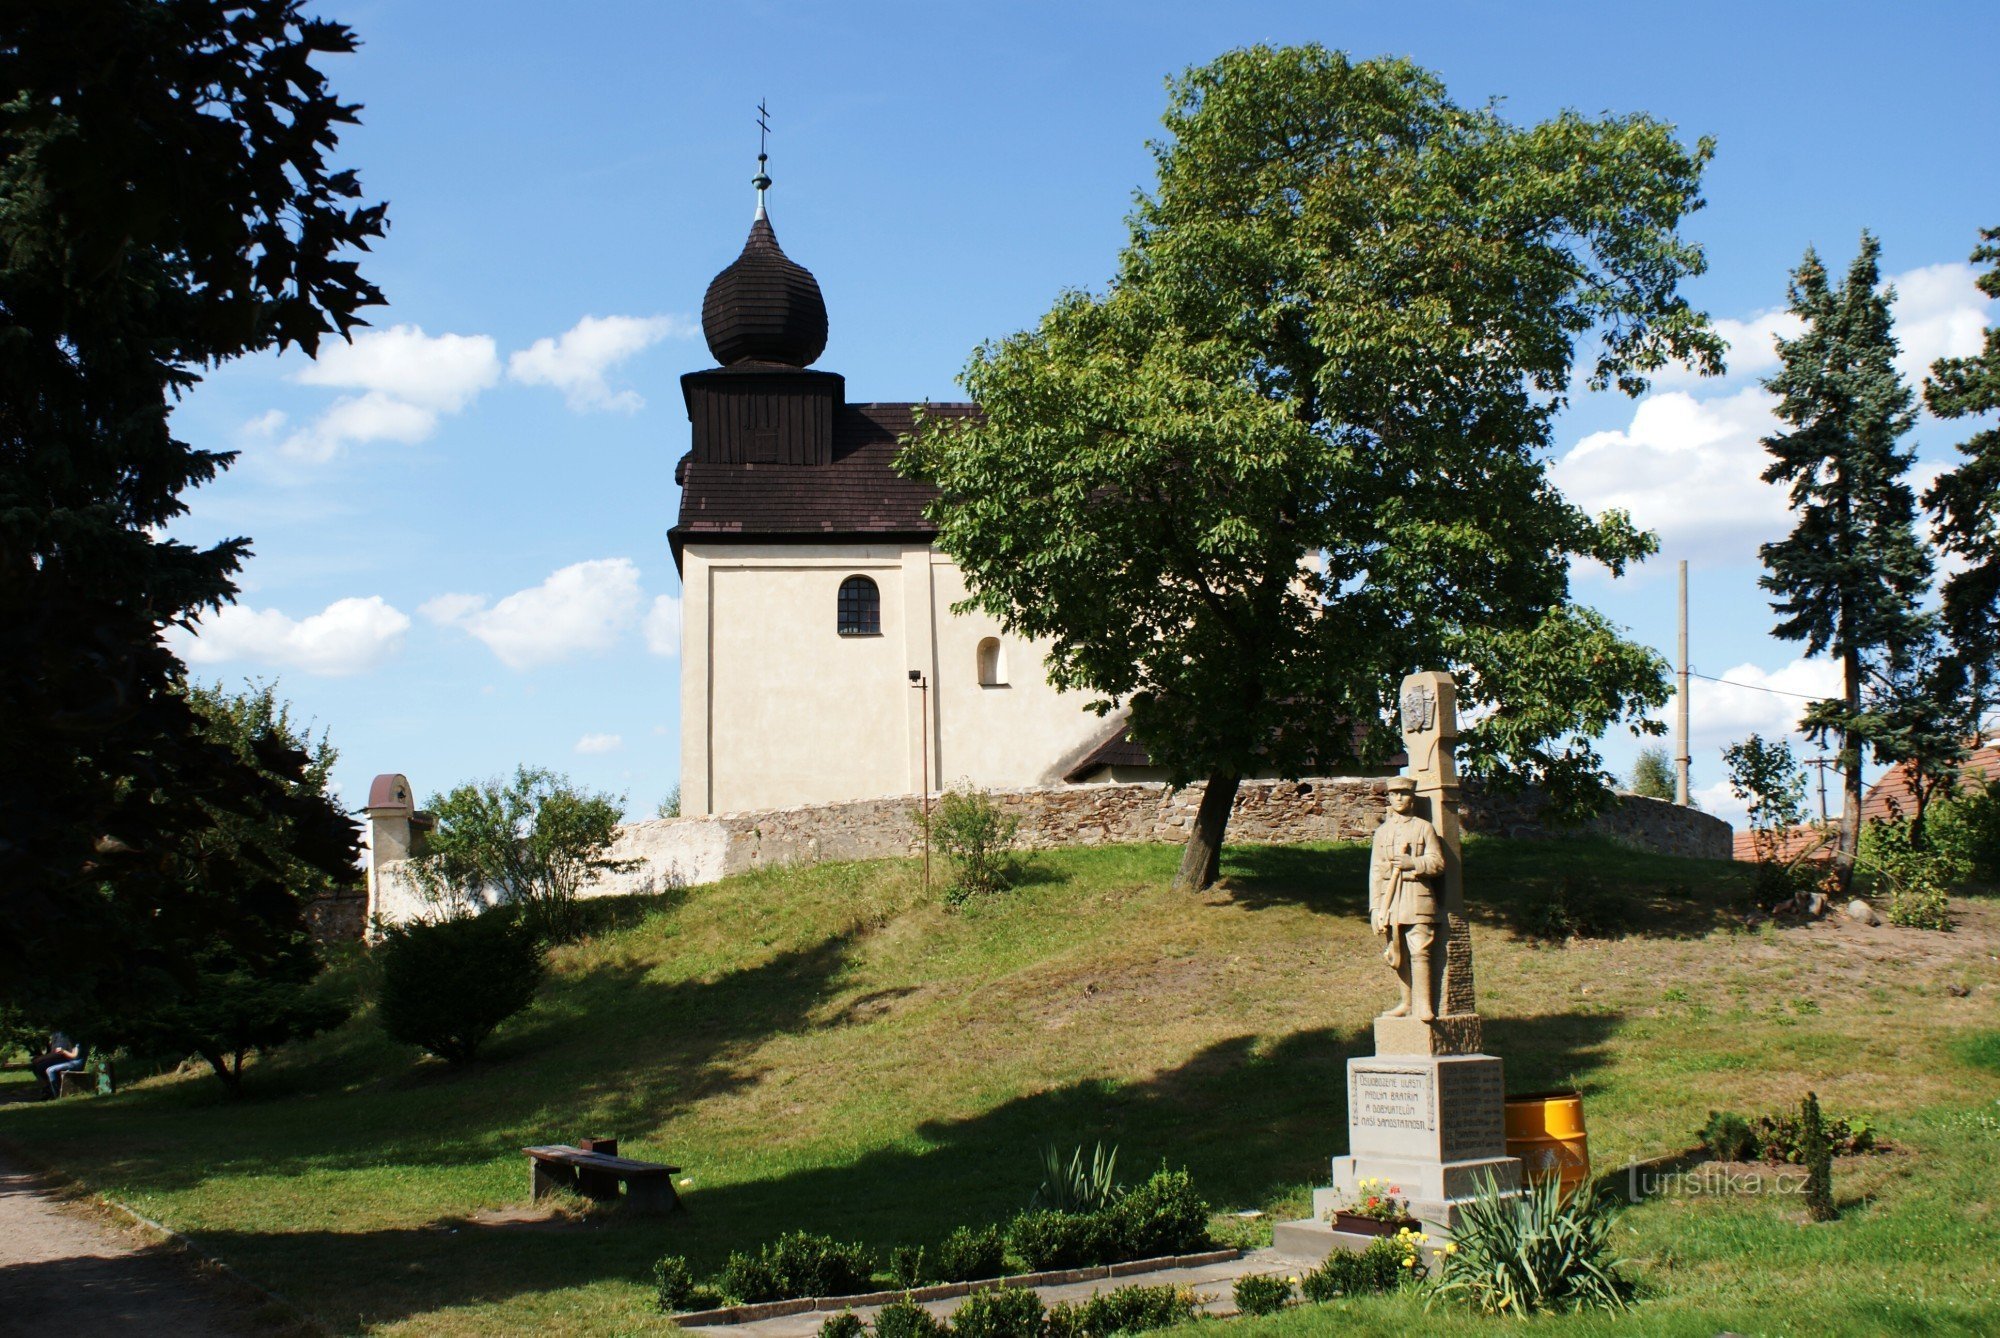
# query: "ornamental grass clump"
[[1076, 1186], [1533, 1252]]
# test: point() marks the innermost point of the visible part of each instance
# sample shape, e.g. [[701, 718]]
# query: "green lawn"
[[826, 1048]]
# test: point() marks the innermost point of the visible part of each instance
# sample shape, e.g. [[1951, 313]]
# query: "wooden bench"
[[595, 1169]]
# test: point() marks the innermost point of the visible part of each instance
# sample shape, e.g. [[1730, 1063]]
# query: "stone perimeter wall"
[[677, 852]]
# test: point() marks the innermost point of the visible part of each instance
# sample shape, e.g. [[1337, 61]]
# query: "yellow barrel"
[[1545, 1130]]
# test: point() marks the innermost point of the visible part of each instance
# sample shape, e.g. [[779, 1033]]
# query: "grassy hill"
[[827, 1048]]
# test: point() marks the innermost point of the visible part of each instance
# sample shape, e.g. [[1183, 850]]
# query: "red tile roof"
[[1886, 800]]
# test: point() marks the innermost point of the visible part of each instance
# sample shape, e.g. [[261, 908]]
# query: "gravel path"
[[64, 1271]]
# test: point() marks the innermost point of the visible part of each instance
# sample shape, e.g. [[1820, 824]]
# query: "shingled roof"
[[857, 495]]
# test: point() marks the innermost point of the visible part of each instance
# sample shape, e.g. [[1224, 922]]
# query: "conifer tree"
[[1965, 501], [1850, 577]]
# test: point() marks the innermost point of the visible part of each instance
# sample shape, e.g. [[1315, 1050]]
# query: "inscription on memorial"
[[1392, 1099], [1473, 1105]]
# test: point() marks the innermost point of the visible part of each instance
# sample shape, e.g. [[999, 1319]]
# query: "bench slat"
[[597, 1161]]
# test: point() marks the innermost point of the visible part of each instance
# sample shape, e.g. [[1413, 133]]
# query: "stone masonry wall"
[[675, 852]]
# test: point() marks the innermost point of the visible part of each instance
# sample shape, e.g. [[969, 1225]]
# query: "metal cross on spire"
[[762, 181]]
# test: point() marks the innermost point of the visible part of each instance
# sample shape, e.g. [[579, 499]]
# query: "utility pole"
[[1822, 763], [1681, 701], [924, 709]]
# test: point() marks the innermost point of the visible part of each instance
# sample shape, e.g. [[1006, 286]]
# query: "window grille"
[[860, 607]]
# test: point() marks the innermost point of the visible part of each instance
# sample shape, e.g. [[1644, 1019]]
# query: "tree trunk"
[[1201, 862], [1850, 778]]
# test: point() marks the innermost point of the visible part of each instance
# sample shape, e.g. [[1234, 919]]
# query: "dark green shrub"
[[1728, 1138], [968, 1254], [1782, 1137], [1967, 828], [1045, 1239], [1161, 1217], [906, 1319], [1126, 1310], [846, 1324], [1378, 1268], [1816, 1152], [446, 986], [1573, 906], [1534, 1251], [1077, 1186], [974, 833], [802, 1264], [675, 1283], [749, 1278], [906, 1266], [1263, 1294], [999, 1312]]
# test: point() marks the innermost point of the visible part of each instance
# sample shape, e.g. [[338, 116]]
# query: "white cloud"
[[579, 609], [663, 626], [575, 362], [1754, 701], [1939, 313], [591, 745], [1690, 469], [407, 380], [1753, 349], [348, 637], [265, 425]]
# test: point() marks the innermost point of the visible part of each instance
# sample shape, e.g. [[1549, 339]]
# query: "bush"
[[906, 1266], [1782, 1137], [1728, 1137], [797, 1264], [1816, 1151], [846, 1324], [967, 1255], [998, 1312], [1077, 1187], [1046, 1239], [1163, 1216], [972, 831], [1573, 907], [1967, 828], [906, 1319], [1263, 1294], [1917, 878], [1126, 1310], [446, 986], [674, 1282], [1534, 1251], [1379, 1268]]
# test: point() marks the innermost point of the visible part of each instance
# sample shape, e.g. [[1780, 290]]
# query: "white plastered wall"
[[779, 709]]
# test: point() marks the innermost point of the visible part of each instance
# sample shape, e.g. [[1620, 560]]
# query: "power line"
[[1776, 692]]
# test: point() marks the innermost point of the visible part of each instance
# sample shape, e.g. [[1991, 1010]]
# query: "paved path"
[[1213, 1282], [63, 1271]]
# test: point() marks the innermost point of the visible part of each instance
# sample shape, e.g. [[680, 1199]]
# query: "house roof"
[[856, 495], [1889, 799]]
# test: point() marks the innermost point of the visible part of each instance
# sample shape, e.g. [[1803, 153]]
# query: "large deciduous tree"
[[166, 204], [1851, 577], [1295, 450]]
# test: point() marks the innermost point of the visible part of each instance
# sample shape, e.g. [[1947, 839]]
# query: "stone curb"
[[945, 1291]]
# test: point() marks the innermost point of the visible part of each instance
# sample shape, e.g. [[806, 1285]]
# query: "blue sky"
[[459, 523]]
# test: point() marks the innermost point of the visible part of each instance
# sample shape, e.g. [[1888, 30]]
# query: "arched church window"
[[992, 665], [860, 607]]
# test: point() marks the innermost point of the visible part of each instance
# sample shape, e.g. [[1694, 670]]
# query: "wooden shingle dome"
[[764, 308]]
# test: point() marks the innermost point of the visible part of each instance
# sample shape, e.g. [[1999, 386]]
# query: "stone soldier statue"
[[1404, 902]]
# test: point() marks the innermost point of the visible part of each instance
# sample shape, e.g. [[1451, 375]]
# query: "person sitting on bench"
[[62, 1055]]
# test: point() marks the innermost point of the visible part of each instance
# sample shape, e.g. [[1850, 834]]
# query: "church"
[[821, 660]]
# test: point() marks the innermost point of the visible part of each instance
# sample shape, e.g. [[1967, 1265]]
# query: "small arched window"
[[860, 607], [992, 665]]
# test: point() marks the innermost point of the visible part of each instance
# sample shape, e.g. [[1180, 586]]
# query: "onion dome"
[[764, 308]]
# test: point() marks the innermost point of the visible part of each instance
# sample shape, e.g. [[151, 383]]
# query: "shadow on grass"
[[1509, 882], [1252, 1121]]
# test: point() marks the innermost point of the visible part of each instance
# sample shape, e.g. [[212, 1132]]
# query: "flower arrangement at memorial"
[[1376, 1199]]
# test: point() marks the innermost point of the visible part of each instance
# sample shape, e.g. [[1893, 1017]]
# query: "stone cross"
[[1429, 708]]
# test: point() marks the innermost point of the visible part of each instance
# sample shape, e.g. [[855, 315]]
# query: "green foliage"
[[1816, 1154], [166, 205], [1727, 1137], [1783, 1137], [1262, 1293], [674, 1287], [670, 807], [1298, 444], [1965, 828], [1573, 906], [1076, 1186], [1046, 1239], [1771, 781], [446, 986], [1122, 1310], [1536, 1251], [1379, 1268], [796, 1264], [1161, 1217], [999, 1312], [904, 1318], [846, 1324], [969, 1254], [1653, 774], [229, 968], [1965, 500], [906, 1266], [531, 842], [1917, 878], [975, 834]]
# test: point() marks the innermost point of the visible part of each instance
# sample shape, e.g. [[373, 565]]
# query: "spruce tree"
[[1850, 578], [1965, 501]]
